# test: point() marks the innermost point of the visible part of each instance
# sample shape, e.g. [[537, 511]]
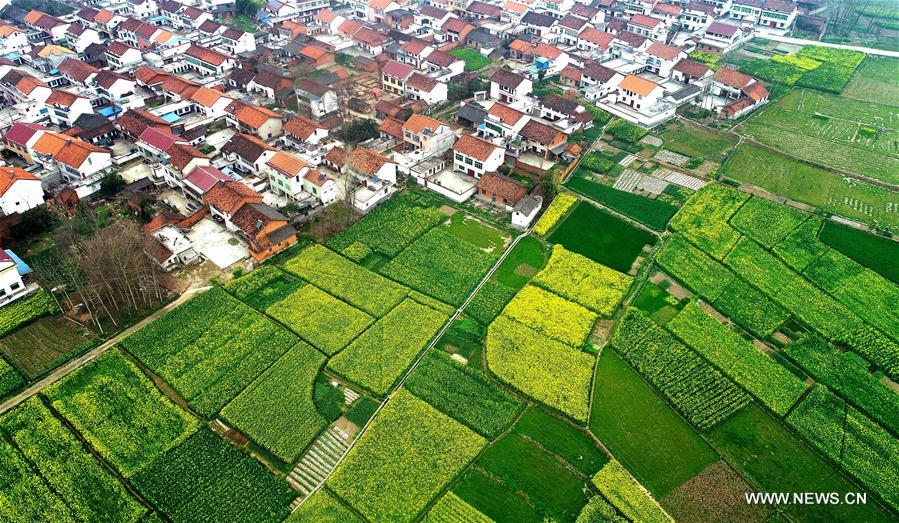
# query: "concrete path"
[[67, 367], [803, 41]]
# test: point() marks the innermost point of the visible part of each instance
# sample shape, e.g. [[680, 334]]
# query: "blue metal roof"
[[21, 267], [170, 117]]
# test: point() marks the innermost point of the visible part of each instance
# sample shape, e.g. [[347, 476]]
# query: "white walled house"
[[661, 58], [427, 89], [427, 135], [474, 156], [13, 39], [510, 88], [19, 190], [638, 93], [11, 285]]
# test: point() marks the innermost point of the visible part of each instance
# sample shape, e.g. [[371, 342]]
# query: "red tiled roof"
[[474, 147], [206, 55], [417, 123], [159, 138], [205, 177], [301, 127], [20, 132], [645, 21], [181, 154], [507, 188], [732, 78], [422, 82], [392, 127], [665, 52], [366, 161], [691, 68], [600, 38], [10, 175], [228, 196], [397, 69]]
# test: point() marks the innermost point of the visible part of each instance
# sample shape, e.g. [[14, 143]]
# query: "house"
[[254, 119], [428, 135], [19, 190], [444, 66], [376, 174], [688, 72], [236, 41], [13, 39], [391, 129], [169, 247], [652, 28], [542, 139], [265, 230], [426, 89], [431, 17], [207, 61], [721, 38], [299, 130], [500, 191], [475, 157], [456, 30], [598, 81], [510, 88], [595, 44], [20, 136], [79, 163], [268, 83], [414, 53], [200, 180], [565, 114], [78, 37], [249, 153], [638, 92], [370, 41], [12, 287], [569, 27], [745, 91], [394, 76], [661, 58], [134, 122], [698, 15], [76, 71], [64, 107], [317, 100], [121, 56], [53, 27], [778, 14], [525, 211], [670, 13], [539, 26], [630, 46], [478, 10], [503, 122], [378, 9], [747, 10], [547, 60]]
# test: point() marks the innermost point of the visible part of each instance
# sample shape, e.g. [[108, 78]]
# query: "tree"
[[357, 131], [34, 221], [247, 7], [111, 183]]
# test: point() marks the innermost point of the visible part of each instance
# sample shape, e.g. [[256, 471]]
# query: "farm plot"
[[877, 80], [405, 458], [698, 390], [551, 315], [763, 377], [378, 357], [10, 380], [806, 183], [119, 411], [321, 319], [210, 348], [847, 374], [25, 310], [601, 236], [441, 265], [63, 481], [560, 438], [628, 495], [520, 265], [717, 494], [323, 507], [704, 219], [801, 247], [772, 459], [344, 279], [207, 480], [811, 305], [43, 344], [874, 252], [562, 203], [473, 59], [861, 290], [544, 369], [277, 410], [698, 142], [489, 301], [767, 222], [853, 145], [264, 287], [863, 448], [583, 281], [654, 214], [464, 394], [628, 416], [390, 227], [450, 508], [524, 474]]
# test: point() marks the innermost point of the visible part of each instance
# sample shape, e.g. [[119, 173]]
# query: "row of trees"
[[106, 271]]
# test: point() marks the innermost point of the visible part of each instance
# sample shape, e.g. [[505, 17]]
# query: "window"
[[478, 165], [15, 286]]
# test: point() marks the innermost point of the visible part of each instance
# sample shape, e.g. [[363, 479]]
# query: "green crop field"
[[806, 183], [45, 343], [700, 142], [874, 252], [474, 60], [877, 80]]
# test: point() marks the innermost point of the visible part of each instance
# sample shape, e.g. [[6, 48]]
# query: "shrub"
[[626, 131], [377, 358], [559, 206], [403, 461], [627, 495], [698, 390], [464, 394], [344, 279], [303, 310], [756, 372], [583, 281], [597, 163], [551, 315], [120, 413], [544, 369], [277, 410], [25, 310]]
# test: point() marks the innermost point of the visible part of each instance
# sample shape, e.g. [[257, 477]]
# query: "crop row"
[[697, 389], [390, 227], [801, 247], [863, 448], [405, 458], [25, 310], [767, 222], [627, 495], [489, 301], [559, 206], [277, 410], [321, 319], [441, 265], [551, 315], [704, 219], [210, 348], [759, 374], [544, 369], [263, 287], [583, 281], [377, 358], [78, 481], [450, 508], [344, 279]]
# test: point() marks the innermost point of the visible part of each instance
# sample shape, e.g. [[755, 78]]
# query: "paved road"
[[91, 355], [803, 41]]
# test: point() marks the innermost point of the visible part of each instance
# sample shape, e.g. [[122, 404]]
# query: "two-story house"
[[661, 58], [510, 88], [474, 156], [427, 135]]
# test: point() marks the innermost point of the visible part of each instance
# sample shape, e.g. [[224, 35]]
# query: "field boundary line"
[[63, 370], [418, 360]]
